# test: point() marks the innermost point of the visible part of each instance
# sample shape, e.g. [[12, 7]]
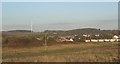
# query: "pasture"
[[78, 52]]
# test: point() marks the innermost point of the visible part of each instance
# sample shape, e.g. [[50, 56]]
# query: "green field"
[[82, 52]]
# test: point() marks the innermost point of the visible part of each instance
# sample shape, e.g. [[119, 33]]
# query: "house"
[[115, 37], [107, 40], [87, 40], [112, 40], [71, 40], [101, 40], [94, 40], [66, 39]]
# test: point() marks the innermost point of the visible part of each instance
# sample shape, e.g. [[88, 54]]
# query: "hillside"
[[19, 31], [24, 38], [90, 31]]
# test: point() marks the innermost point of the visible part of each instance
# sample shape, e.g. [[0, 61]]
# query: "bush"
[[14, 41], [51, 41]]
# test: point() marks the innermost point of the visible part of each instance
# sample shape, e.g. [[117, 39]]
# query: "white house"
[[71, 40], [101, 40], [87, 40], [94, 40], [115, 37], [107, 40], [112, 40]]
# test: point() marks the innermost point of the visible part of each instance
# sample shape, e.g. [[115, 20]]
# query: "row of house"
[[103, 40], [84, 38], [115, 38]]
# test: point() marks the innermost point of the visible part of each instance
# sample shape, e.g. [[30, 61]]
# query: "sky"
[[59, 0], [59, 15], [0, 16]]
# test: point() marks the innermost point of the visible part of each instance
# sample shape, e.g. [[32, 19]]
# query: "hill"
[[90, 31], [18, 31]]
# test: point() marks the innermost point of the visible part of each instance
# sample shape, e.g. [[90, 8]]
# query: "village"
[[88, 38]]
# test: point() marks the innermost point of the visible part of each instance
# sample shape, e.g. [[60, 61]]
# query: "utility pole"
[[45, 41], [31, 26], [45, 35]]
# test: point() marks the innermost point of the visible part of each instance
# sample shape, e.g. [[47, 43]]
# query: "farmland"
[[80, 52]]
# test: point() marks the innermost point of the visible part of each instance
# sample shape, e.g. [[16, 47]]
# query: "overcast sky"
[[59, 15]]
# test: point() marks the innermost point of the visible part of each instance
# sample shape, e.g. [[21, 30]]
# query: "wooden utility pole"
[[45, 35], [45, 41]]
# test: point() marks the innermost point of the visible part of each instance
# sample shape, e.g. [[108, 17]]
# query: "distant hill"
[[90, 31], [19, 31]]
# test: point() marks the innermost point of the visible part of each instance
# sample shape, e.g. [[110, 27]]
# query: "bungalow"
[[87, 40], [101, 40], [107, 40], [94, 40], [112, 40], [115, 37]]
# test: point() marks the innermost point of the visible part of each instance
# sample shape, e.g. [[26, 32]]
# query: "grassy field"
[[82, 52]]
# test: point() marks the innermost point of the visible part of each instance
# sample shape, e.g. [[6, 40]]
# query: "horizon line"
[[57, 29]]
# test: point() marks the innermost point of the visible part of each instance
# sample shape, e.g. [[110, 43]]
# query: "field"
[[77, 52]]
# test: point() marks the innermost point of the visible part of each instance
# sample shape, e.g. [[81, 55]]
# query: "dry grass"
[[83, 52]]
